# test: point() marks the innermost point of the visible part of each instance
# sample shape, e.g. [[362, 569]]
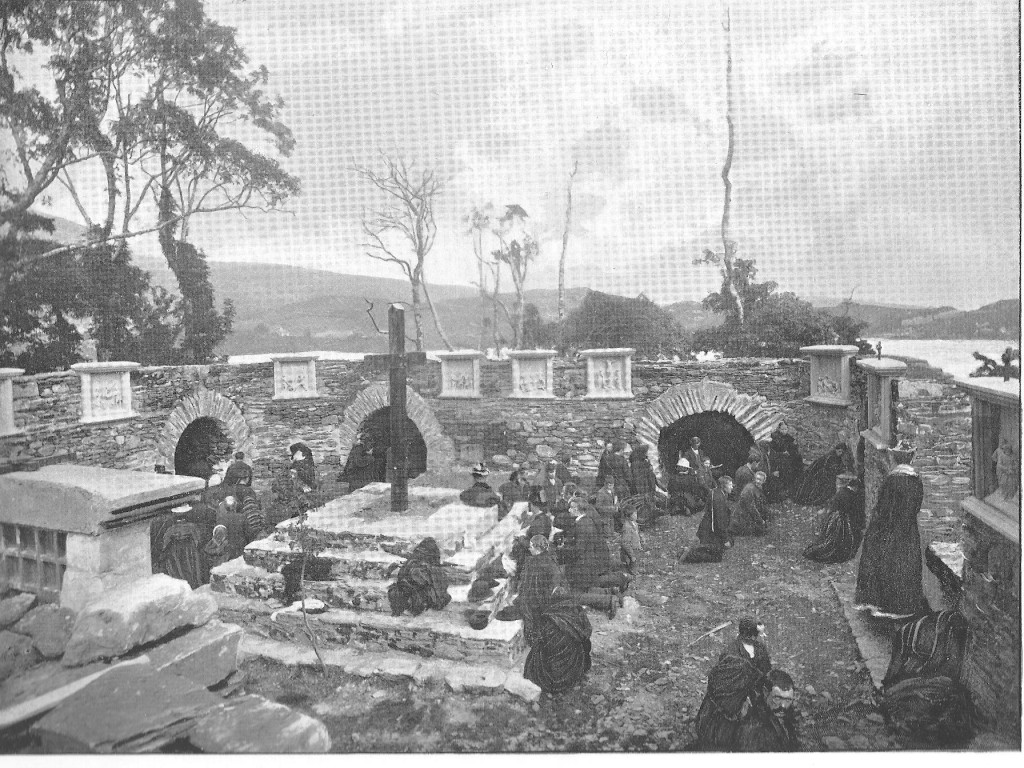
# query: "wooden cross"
[[398, 366]]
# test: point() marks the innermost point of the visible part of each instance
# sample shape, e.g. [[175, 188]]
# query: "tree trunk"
[[565, 244], [437, 322], [478, 250], [417, 320], [494, 310], [517, 311], [727, 249]]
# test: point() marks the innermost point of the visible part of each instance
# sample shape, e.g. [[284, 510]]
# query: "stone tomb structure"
[[365, 545], [72, 533]]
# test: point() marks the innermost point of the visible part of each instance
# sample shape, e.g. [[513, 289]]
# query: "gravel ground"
[[650, 667]]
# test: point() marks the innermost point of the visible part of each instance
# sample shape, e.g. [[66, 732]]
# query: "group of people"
[[749, 705]]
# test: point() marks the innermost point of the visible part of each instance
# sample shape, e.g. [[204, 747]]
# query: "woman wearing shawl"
[[738, 681], [889, 579], [539, 576], [713, 532], [786, 465], [645, 486], [179, 550], [560, 652], [842, 525], [421, 582], [302, 463], [819, 481], [922, 695], [515, 490]]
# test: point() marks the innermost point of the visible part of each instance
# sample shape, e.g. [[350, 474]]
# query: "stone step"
[[397, 666], [236, 577], [433, 634]]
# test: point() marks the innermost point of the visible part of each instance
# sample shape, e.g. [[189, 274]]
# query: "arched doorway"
[[722, 438], [376, 431], [194, 407], [203, 444]]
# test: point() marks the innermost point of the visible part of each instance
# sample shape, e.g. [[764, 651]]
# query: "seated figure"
[[479, 494], [421, 582]]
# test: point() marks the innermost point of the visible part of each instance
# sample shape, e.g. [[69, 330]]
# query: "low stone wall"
[[991, 605]]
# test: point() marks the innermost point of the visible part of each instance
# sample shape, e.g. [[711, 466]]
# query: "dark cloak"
[[539, 577], [748, 518], [560, 654], [783, 457], [765, 730], [889, 579], [479, 494], [359, 468], [713, 531], [305, 468], [180, 553], [589, 558], [735, 678], [842, 528], [819, 481], [686, 494], [421, 582]]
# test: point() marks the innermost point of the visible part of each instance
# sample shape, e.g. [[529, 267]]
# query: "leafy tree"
[[405, 219], [516, 253], [603, 320], [154, 92]]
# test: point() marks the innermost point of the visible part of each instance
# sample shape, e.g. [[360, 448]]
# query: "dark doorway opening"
[[376, 432], [722, 438], [204, 443]]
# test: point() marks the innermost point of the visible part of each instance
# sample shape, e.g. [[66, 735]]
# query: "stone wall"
[[991, 605]]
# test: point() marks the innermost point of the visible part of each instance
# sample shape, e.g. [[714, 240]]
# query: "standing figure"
[[243, 525], [618, 467], [645, 486], [238, 472], [787, 465], [421, 582], [713, 532], [694, 455], [606, 501], [738, 681], [179, 550], [842, 524], [479, 494], [819, 481], [548, 488], [302, 463], [602, 464], [1007, 470], [889, 579], [359, 468]]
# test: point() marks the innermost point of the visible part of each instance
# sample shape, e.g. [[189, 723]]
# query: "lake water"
[[953, 356]]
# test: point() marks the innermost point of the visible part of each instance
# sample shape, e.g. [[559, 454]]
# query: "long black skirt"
[[560, 654]]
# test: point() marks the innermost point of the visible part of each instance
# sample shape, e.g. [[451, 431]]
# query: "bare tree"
[[565, 242], [479, 221], [407, 214], [517, 255], [726, 258]]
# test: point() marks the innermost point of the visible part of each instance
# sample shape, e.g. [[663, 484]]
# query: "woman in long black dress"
[[819, 481], [843, 526], [421, 582], [889, 579]]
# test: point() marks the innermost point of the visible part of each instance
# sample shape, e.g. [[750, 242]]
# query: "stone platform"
[[366, 545]]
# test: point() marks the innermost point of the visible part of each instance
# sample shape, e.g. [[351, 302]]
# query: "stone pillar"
[[99, 562], [7, 376], [991, 548], [460, 374], [106, 390], [294, 376], [830, 373], [609, 373], [880, 375], [533, 373]]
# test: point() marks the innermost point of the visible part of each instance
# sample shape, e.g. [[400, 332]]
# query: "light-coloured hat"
[[683, 463], [479, 469]]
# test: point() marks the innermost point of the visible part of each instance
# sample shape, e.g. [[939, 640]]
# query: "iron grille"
[[33, 560]]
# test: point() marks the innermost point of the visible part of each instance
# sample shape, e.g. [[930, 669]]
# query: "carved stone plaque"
[[106, 390], [7, 375], [609, 373], [830, 373], [294, 376], [460, 374], [533, 373]]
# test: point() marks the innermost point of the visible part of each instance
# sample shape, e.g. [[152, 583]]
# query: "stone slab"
[[41, 679], [239, 578], [206, 655], [252, 724], [76, 498], [520, 687], [476, 679], [16, 653], [49, 626], [132, 709], [873, 643], [14, 607], [138, 613]]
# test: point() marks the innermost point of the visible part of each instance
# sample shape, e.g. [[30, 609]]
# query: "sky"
[[877, 150]]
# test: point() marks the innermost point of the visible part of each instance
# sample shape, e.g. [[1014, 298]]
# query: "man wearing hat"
[[479, 494], [686, 494]]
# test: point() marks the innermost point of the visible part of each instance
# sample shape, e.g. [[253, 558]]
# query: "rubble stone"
[[252, 724], [206, 655], [13, 608], [49, 626], [16, 653]]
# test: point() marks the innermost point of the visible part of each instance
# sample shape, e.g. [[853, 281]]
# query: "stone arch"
[[204, 402], [440, 450], [753, 412]]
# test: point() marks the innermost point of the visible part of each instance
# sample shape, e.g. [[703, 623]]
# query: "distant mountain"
[[1000, 320]]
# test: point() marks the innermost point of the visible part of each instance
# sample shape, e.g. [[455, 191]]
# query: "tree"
[[725, 259], [405, 218], [605, 321], [479, 221], [565, 242], [156, 94], [516, 253], [741, 281]]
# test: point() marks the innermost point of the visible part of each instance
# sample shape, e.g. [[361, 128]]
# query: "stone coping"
[[78, 499], [527, 353], [837, 402], [297, 357], [611, 352], [110, 367], [10, 373], [831, 350], [882, 366], [1000, 522], [993, 389], [460, 354]]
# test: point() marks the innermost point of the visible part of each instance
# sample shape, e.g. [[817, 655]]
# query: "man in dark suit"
[[744, 476], [695, 456]]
